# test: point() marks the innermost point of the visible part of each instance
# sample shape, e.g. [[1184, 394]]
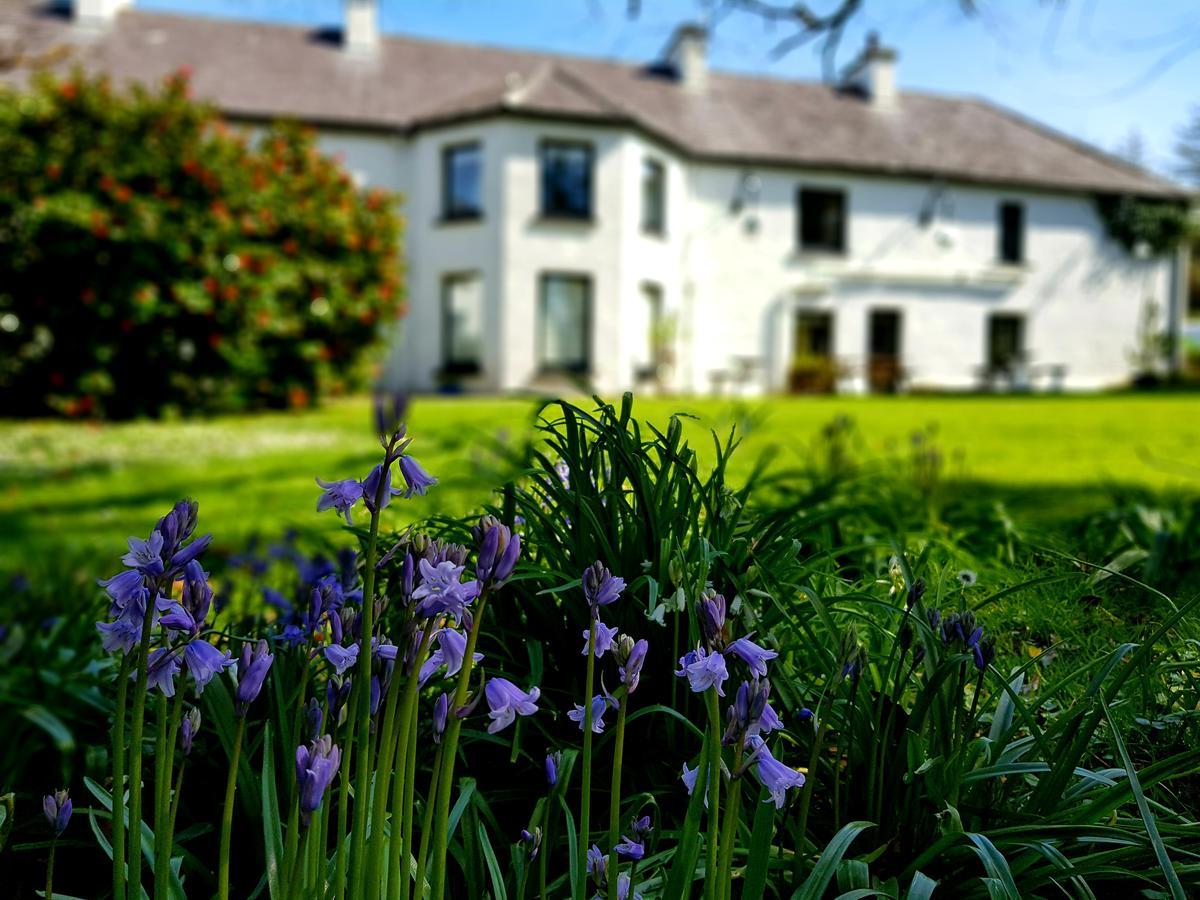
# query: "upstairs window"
[[654, 197], [1012, 233], [462, 182], [566, 180], [822, 214], [462, 323]]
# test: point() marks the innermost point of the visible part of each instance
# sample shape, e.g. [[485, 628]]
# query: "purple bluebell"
[[186, 554], [769, 720], [703, 670], [189, 727], [499, 550], [451, 651], [205, 662], [417, 481], [630, 671], [341, 658], [337, 693], [339, 495], [441, 709], [601, 587], [805, 715], [161, 668], [597, 866], [506, 701], [754, 656], [984, 652], [630, 848], [146, 556], [57, 809], [124, 587], [689, 778], [371, 488], [772, 774], [196, 596], [316, 766], [252, 668], [711, 607], [553, 761], [606, 639], [533, 840], [314, 719], [600, 705], [123, 634], [442, 591], [623, 883]]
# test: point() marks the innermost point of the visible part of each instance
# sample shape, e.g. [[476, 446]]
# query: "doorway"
[[884, 373], [812, 369]]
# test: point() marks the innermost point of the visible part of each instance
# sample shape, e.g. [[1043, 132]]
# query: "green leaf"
[[63, 739], [683, 865], [272, 828], [759, 858], [1000, 877], [489, 855], [821, 876], [922, 887]]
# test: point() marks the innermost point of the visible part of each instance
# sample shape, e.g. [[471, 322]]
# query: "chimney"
[[98, 13], [873, 74], [687, 56], [360, 32]]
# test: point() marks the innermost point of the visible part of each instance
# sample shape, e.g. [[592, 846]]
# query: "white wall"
[[734, 289]]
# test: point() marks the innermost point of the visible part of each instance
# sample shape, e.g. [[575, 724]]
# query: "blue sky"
[[1100, 70]]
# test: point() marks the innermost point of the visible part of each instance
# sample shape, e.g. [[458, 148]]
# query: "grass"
[[75, 490]]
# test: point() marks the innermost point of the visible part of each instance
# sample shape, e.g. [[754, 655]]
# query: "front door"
[[812, 360], [883, 351]]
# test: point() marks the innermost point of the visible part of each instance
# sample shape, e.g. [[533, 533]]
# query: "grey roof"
[[265, 71]]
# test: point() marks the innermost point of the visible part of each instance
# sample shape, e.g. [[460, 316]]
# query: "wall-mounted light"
[[746, 193]]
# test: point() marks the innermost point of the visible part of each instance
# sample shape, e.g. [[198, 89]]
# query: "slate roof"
[[264, 71]]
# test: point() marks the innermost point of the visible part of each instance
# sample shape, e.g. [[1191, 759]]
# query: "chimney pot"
[[874, 74], [687, 55], [97, 13], [360, 31]]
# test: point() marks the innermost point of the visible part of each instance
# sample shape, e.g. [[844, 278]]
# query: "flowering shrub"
[[154, 259], [445, 711]]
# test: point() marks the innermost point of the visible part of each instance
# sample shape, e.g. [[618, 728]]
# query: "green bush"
[[155, 260]]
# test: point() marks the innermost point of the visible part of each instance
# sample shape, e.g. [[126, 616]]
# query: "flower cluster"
[[960, 630]]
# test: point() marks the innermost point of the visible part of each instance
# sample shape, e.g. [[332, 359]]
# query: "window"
[[1012, 233], [657, 338], [462, 323], [462, 182], [822, 220], [1006, 342], [566, 180], [654, 190], [563, 323]]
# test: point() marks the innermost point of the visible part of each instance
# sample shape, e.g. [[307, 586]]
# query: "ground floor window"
[[564, 323], [883, 350], [1005, 342], [462, 323]]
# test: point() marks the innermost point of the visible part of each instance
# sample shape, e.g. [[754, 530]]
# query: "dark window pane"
[[462, 181], [1012, 232], [567, 180], [1006, 341], [563, 323], [822, 220], [462, 323], [885, 332], [653, 197]]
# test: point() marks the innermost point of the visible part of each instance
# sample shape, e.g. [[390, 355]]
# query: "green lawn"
[[69, 491]]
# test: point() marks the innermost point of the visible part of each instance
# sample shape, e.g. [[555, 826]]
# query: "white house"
[[693, 230]]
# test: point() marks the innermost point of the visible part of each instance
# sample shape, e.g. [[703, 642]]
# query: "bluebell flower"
[[499, 550], [600, 705], [185, 555], [316, 766], [597, 865], [772, 774], [450, 652], [341, 658], [57, 809], [984, 652], [252, 668], [416, 479], [601, 587], [703, 670], [533, 840], [441, 710], [805, 714], [161, 668], [606, 639], [631, 849], [754, 656], [711, 608], [189, 727], [123, 634], [630, 671], [146, 556], [442, 591], [371, 487], [126, 586], [506, 701], [769, 720], [196, 596], [623, 883], [205, 662], [553, 760], [314, 719], [337, 692], [339, 495]]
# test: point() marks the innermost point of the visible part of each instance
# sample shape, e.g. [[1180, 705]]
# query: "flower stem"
[[227, 812], [441, 822], [406, 818], [118, 779], [50, 870], [427, 823], [168, 731], [714, 793], [362, 779], [729, 831], [339, 877], [614, 797], [585, 795], [383, 775], [135, 752], [295, 881]]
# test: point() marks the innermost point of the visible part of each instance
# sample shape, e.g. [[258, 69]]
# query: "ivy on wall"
[[1139, 224]]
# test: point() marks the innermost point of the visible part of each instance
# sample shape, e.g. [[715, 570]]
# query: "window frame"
[[1002, 233], [450, 213], [584, 367], [838, 249], [451, 366], [656, 227], [589, 149]]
